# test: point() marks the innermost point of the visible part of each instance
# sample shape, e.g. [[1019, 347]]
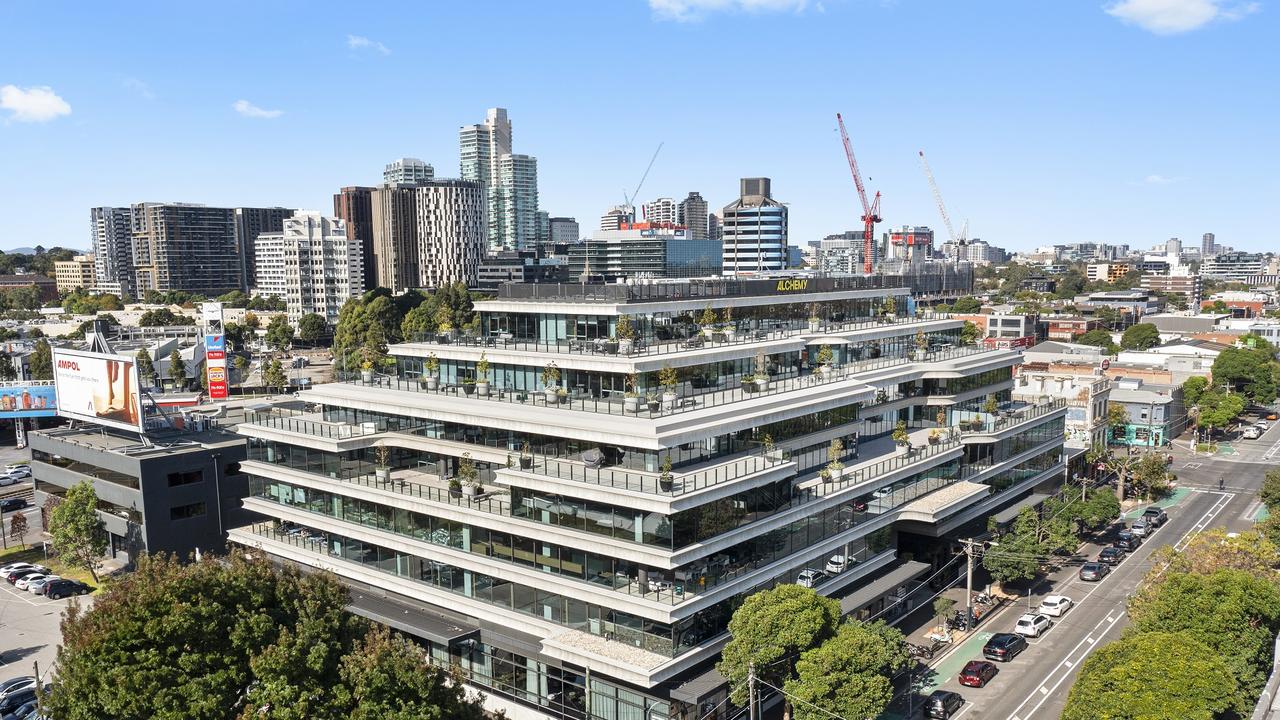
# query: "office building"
[[112, 242], [1188, 285], [576, 550], [1173, 248], [511, 180], [755, 230], [184, 246], [659, 212], [450, 232], [250, 223], [537, 265], [844, 253], [911, 243], [692, 213], [74, 274], [1208, 246], [408, 170], [564, 230], [395, 236], [715, 227], [178, 493], [643, 250], [541, 227], [617, 216], [354, 205], [312, 264], [1234, 266]]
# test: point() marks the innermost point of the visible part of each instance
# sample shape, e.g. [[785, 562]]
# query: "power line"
[[806, 702]]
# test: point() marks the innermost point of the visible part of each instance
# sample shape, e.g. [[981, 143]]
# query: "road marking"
[[1044, 690], [1192, 465], [1068, 663], [1275, 450]]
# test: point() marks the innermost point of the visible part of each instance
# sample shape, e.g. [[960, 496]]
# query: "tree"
[[1217, 408], [1270, 492], [7, 371], [146, 368], [177, 370], [234, 299], [1140, 337], [1099, 338], [970, 334], [419, 321], [242, 368], [237, 336], [275, 376], [849, 674], [1209, 551], [389, 678], [279, 333], [311, 327], [18, 528], [1232, 612], [1099, 508], [1152, 676], [78, 536], [1193, 388], [1249, 370], [252, 321], [770, 630], [1108, 315], [1117, 416], [161, 317], [1151, 477], [1018, 553], [41, 362], [1177, 301], [967, 305]]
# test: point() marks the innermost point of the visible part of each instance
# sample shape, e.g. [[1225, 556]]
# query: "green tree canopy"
[[161, 317], [177, 370], [1250, 370], [1151, 478], [967, 305], [1270, 493], [1140, 337], [770, 630], [275, 376], [1018, 554], [7, 370], [76, 529], [41, 362], [850, 674], [146, 368], [970, 334], [1099, 338], [389, 679], [1217, 408], [279, 333], [1193, 388], [234, 299], [1151, 676], [311, 327]]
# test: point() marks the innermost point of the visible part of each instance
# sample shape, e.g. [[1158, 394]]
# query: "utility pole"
[[970, 554], [751, 692]]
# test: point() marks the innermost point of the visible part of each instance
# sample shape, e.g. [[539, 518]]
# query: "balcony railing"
[[720, 337], [986, 423], [679, 482], [686, 399]]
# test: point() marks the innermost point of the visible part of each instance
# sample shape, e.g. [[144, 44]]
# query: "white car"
[[837, 564], [14, 466], [1032, 624], [20, 471], [1262, 425], [1252, 433], [810, 578], [8, 479], [16, 566], [36, 586], [24, 582], [1055, 605]]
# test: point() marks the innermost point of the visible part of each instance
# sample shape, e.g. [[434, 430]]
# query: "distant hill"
[[32, 251]]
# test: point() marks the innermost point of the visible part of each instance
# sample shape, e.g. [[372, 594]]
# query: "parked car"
[[837, 564], [978, 673], [16, 684], [1032, 625], [1127, 540], [1262, 425], [18, 471], [942, 704], [25, 712], [1252, 432], [1140, 528], [1055, 605], [7, 480], [4, 571], [16, 699], [1004, 647], [11, 504], [36, 587], [810, 578], [59, 589], [14, 466], [24, 582], [1094, 571], [1156, 515], [17, 575], [1272, 416], [1111, 555]]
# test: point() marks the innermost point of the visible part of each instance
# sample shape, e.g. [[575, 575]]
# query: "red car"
[[978, 673]]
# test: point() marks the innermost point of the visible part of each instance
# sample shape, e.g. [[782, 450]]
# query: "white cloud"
[[139, 87], [359, 42], [249, 110], [695, 10], [1157, 179], [1170, 17], [33, 104]]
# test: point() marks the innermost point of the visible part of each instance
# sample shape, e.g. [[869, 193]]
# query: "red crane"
[[870, 211]]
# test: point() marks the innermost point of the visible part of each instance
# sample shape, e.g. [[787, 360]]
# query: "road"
[[1035, 684]]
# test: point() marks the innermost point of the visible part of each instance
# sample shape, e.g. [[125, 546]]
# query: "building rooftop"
[[162, 442]]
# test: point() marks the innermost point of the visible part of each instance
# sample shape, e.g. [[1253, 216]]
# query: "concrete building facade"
[[73, 274], [662, 211], [112, 242], [250, 223], [564, 230], [692, 213], [354, 205], [755, 230], [184, 246], [408, 170], [312, 264]]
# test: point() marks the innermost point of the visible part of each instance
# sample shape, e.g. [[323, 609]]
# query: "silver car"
[[1140, 528]]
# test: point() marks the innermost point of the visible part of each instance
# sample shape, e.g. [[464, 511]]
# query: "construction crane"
[[960, 239], [870, 211], [629, 202]]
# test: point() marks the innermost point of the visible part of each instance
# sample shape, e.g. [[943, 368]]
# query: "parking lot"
[[30, 630]]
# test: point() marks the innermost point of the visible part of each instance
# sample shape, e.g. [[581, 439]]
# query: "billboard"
[[215, 351], [98, 388], [28, 398]]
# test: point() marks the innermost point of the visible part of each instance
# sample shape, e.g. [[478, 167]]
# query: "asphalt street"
[[1034, 685]]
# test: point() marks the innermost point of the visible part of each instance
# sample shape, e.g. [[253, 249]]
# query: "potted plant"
[[941, 417], [550, 377], [562, 395], [900, 436], [630, 399], [626, 334], [469, 386], [991, 406], [651, 400], [432, 366], [455, 487], [935, 436], [882, 396], [825, 358], [815, 322], [668, 380], [708, 322], [834, 452], [762, 371], [889, 307], [444, 325], [366, 371], [730, 331], [382, 467], [770, 448], [922, 341], [665, 481], [482, 376], [469, 476], [526, 456]]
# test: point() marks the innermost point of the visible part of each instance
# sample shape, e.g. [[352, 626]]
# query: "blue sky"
[[1112, 120]]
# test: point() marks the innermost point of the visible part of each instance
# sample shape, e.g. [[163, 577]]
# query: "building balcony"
[[1010, 415]]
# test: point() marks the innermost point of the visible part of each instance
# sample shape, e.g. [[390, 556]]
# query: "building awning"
[[1010, 513], [882, 585], [414, 619], [694, 690]]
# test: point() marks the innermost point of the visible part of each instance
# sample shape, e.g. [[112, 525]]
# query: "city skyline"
[[1156, 132]]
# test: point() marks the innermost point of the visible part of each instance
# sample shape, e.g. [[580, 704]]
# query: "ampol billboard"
[[98, 388]]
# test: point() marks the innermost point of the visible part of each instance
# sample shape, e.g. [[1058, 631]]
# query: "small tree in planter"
[[668, 380], [631, 399], [665, 480], [762, 371], [922, 341], [729, 328], [882, 396], [900, 436], [814, 321], [941, 418], [890, 307], [768, 445], [991, 406], [626, 333], [550, 380], [469, 476], [825, 358], [834, 452], [382, 466], [444, 322], [708, 321], [935, 436], [432, 366], [482, 376], [526, 456], [653, 401]]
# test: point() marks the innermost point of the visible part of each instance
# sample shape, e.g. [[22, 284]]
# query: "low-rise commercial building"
[[1155, 411], [74, 274], [1082, 386], [645, 250]]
